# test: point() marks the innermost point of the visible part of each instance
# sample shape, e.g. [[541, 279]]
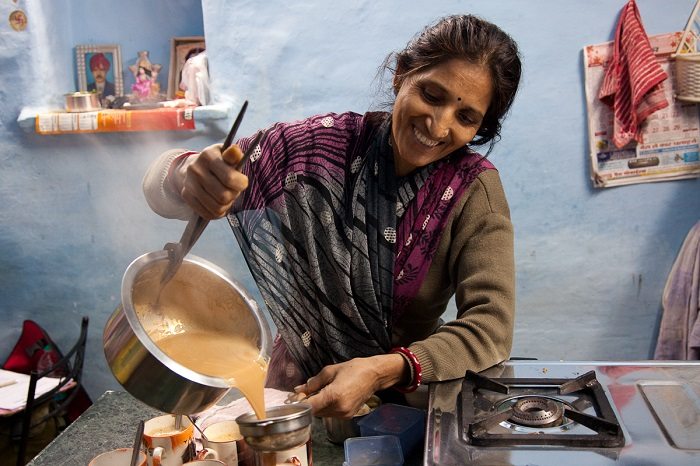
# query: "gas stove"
[[567, 413]]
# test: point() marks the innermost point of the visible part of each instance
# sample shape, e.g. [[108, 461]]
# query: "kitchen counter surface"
[[111, 423]]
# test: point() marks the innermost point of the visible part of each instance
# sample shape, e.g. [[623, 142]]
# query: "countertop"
[[111, 423]]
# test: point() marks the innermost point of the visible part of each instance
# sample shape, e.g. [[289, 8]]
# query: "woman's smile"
[[425, 140]]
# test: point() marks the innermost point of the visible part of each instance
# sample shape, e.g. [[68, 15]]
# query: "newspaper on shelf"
[[669, 147]]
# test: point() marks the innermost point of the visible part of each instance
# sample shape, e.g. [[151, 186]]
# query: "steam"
[[46, 79]]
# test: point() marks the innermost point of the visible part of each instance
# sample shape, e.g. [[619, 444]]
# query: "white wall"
[[591, 263], [72, 214]]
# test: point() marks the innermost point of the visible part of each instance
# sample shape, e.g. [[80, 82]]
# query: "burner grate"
[[538, 411]]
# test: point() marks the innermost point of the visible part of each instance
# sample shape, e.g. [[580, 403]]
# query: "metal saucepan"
[[207, 300]]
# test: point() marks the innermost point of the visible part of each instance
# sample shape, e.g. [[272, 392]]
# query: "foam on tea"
[[166, 431], [224, 437]]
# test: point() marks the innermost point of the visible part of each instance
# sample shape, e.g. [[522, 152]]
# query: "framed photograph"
[[181, 49], [99, 69]]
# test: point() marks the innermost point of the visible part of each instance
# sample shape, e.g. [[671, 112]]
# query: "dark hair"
[[473, 39]]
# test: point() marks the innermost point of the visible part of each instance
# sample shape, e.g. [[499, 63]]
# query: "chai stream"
[[234, 359]]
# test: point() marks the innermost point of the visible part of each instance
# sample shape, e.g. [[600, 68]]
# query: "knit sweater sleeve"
[[159, 196], [478, 260]]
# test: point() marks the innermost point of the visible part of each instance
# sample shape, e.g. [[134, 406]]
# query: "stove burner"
[[506, 407], [536, 411], [567, 412]]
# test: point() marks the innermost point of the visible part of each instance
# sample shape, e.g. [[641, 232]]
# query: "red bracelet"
[[415, 369]]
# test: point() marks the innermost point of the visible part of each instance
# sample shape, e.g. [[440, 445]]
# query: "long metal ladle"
[[197, 224]]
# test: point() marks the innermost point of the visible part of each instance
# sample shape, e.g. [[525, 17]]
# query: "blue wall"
[[591, 263]]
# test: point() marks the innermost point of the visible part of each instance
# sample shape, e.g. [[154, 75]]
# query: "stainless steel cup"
[[82, 102]]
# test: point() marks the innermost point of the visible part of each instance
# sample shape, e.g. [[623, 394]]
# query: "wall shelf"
[[51, 121]]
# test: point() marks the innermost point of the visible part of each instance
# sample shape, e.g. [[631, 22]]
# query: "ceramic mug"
[[118, 457], [225, 439], [166, 445]]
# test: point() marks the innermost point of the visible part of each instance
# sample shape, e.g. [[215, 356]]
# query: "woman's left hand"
[[340, 390]]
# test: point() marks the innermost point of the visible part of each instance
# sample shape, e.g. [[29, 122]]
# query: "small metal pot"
[[82, 102], [285, 427], [213, 302]]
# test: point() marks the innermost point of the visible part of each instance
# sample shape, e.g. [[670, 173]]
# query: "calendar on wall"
[[669, 147]]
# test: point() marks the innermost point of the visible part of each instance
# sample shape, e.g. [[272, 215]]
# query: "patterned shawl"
[[318, 228]]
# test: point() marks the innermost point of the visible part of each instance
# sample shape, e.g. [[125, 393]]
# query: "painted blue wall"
[[591, 263]]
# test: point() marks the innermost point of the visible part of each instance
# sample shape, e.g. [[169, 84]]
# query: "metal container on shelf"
[[82, 102]]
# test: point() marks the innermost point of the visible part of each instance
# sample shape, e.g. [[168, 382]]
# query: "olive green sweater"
[[475, 263]]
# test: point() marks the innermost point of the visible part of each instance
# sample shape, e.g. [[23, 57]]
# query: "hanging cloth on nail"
[[632, 86], [679, 333]]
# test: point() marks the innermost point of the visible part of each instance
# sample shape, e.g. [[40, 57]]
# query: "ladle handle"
[[194, 230], [194, 423], [178, 251]]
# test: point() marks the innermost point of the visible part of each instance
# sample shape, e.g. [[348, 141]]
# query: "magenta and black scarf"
[[337, 244]]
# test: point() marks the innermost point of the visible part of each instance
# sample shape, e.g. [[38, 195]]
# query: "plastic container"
[[379, 450], [406, 423]]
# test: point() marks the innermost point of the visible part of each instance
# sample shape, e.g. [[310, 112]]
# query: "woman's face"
[[438, 111]]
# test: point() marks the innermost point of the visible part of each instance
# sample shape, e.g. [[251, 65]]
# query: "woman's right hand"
[[209, 182]]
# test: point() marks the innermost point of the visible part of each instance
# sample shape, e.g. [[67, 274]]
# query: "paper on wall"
[[670, 144]]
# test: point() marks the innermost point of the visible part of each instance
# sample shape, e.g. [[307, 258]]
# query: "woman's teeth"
[[424, 139]]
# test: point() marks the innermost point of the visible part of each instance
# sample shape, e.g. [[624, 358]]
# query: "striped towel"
[[632, 86]]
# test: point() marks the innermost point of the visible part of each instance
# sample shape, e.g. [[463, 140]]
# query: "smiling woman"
[[359, 229]]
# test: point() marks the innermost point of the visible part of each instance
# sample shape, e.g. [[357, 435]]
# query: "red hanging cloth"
[[632, 86]]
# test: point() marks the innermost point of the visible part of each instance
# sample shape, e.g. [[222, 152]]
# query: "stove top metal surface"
[[575, 413]]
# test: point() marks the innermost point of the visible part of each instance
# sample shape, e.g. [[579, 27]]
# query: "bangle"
[[414, 364]]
